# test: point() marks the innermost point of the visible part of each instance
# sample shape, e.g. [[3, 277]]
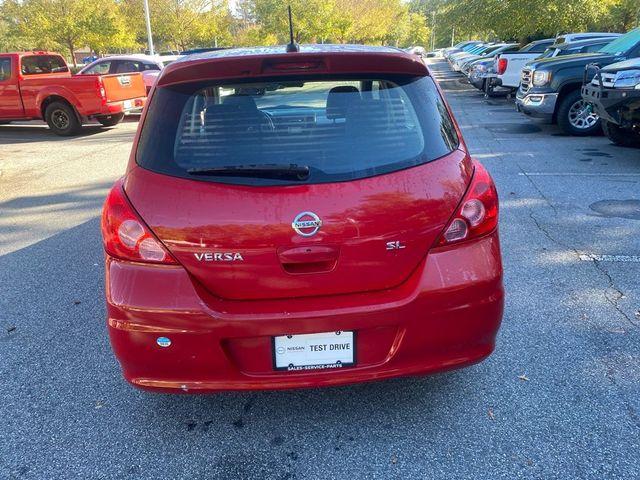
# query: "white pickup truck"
[[508, 66]]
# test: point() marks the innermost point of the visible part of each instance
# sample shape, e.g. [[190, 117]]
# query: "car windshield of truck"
[[622, 44], [39, 64], [336, 130]]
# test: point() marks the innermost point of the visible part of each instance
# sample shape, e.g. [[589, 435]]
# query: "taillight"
[[477, 214], [125, 235], [502, 65], [102, 93]]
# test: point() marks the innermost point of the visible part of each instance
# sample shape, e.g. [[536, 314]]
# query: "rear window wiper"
[[267, 170]]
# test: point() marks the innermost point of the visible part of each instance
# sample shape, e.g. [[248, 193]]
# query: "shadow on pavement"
[[37, 131], [22, 217]]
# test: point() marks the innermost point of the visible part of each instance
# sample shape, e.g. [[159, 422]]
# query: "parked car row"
[[584, 82]]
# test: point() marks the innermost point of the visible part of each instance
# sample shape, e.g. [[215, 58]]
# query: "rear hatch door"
[[239, 241]]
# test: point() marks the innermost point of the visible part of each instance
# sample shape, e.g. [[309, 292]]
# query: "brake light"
[[102, 93], [477, 214], [289, 65], [502, 65], [125, 235]]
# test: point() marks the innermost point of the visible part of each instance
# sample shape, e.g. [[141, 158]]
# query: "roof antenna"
[[292, 46]]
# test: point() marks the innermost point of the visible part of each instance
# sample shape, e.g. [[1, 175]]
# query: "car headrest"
[[241, 101], [340, 99]]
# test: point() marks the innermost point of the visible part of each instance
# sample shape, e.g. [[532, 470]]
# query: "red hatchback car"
[[299, 219]]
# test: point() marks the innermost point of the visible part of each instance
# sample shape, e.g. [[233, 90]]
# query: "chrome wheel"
[[582, 116], [60, 119]]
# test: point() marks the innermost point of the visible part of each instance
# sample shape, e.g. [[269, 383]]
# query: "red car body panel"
[[419, 310], [23, 96]]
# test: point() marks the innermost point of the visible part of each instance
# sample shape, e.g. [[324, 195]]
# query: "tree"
[[51, 23], [418, 33], [66, 25], [107, 29]]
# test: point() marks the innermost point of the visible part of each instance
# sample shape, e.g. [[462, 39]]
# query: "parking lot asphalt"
[[559, 398]]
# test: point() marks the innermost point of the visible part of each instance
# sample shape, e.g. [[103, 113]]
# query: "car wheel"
[[110, 120], [576, 117], [62, 119], [489, 88], [620, 136]]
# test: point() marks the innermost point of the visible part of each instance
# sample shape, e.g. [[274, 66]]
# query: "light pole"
[[148, 20]]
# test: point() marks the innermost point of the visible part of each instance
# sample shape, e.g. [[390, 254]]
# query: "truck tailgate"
[[123, 86], [515, 62]]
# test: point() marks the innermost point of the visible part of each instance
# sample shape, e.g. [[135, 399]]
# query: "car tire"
[[573, 119], [489, 88], [620, 136], [110, 120], [62, 119]]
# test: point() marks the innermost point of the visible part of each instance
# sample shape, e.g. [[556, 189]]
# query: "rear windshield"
[[341, 129], [39, 64], [536, 47]]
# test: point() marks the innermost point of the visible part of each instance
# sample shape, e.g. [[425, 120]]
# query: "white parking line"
[[610, 258]]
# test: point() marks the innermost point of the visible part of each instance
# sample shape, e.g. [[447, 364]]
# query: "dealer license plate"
[[315, 351]]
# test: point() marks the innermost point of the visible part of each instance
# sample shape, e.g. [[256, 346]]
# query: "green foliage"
[[525, 19], [109, 26]]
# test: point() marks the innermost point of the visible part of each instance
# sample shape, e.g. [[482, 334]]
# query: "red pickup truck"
[[39, 85]]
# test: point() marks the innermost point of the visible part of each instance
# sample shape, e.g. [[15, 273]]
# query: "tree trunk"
[[72, 51]]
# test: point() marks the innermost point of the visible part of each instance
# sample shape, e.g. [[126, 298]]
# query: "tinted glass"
[[342, 129], [5, 69], [101, 68], [38, 64], [489, 50], [623, 43], [537, 48], [593, 48], [128, 66], [151, 66]]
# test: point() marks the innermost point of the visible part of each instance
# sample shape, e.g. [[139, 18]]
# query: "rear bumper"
[[124, 106], [542, 105], [445, 316]]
